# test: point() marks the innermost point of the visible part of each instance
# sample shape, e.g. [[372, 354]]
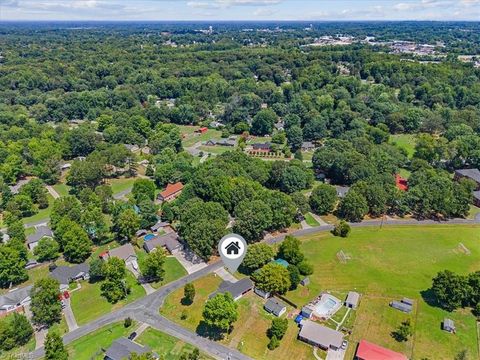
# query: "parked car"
[[132, 336], [344, 345]]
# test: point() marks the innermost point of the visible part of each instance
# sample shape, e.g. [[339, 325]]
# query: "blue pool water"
[[148, 237]]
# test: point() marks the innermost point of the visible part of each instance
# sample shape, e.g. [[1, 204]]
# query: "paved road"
[[146, 310], [122, 194]]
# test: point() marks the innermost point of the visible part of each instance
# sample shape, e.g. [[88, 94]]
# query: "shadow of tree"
[[429, 297], [211, 332]]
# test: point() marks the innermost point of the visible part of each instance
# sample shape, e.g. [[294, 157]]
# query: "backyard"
[[390, 263], [190, 137], [405, 141]]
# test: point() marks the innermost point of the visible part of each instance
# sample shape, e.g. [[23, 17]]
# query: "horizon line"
[[239, 20]]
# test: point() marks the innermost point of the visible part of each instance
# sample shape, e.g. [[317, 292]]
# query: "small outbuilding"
[[261, 293], [401, 306], [306, 312], [275, 307], [305, 281], [448, 325], [352, 300]]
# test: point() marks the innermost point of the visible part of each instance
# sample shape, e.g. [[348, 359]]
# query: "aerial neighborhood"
[[346, 155]]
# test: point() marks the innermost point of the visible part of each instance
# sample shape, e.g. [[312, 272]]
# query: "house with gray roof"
[[320, 336], [275, 307], [123, 348], [169, 241], [15, 298], [308, 146], [342, 191], [125, 252], [159, 225], [236, 289], [472, 174], [67, 274], [476, 198], [40, 233]]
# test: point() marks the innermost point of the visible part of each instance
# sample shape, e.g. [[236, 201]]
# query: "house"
[[169, 241], [170, 192], [369, 351], [40, 233], [266, 147], [236, 289], [160, 225], [476, 198], [15, 189], [401, 183], [15, 299], [233, 248], [279, 126], [472, 174], [202, 130], [141, 233], [305, 281], [132, 148], [308, 146], [275, 307], [406, 308], [342, 191], [216, 124], [146, 150], [352, 300], [67, 274], [261, 293], [123, 348], [125, 252], [448, 325], [222, 142], [65, 166], [320, 336]]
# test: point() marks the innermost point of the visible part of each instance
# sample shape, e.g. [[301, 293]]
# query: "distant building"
[[123, 348], [216, 124], [67, 274], [308, 146], [476, 198], [305, 281], [40, 233], [160, 225], [15, 189], [342, 191], [369, 351], [261, 293], [222, 142], [275, 307], [132, 148], [472, 174], [237, 289], [15, 299], [279, 126], [202, 130], [266, 147], [320, 336], [307, 312], [170, 192], [352, 300], [401, 183]]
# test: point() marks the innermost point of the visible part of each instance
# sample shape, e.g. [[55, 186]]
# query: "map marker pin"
[[232, 249]]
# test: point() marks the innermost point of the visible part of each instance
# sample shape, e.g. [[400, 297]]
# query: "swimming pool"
[[148, 237], [327, 306]]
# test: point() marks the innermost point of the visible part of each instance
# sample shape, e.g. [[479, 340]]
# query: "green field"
[[310, 220], [121, 184], [390, 263], [88, 304], [42, 214], [405, 141], [90, 346], [190, 137], [62, 189], [216, 149], [165, 345]]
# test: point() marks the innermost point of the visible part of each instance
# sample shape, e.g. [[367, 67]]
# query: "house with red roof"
[[202, 130], [170, 192], [369, 351], [401, 183]]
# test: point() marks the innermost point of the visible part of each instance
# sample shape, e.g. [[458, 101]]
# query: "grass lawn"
[[88, 304], [34, 274], [164, 345], [121, 184], [173, 269], [173, 306], [406, 141], [62, 189], [42, 214], [90, 346], [216, 149], [310, 220], [191, 137], [388, 264]]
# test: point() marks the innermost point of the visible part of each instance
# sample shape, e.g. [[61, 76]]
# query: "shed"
[[401, 306], [407, 301], [306, 312], [305, 281], [352, 299], [275, 307], [261, 293], [448, 325]]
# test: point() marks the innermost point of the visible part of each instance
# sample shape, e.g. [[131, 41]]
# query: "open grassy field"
[[166, 346], [42, 214], [390, 263], [121, 184], [90, 346], [88, 304], [406, 141], [215, 149], [190, 137], [62, 189]]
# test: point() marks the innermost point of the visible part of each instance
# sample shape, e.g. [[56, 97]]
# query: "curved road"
[[147, 308]]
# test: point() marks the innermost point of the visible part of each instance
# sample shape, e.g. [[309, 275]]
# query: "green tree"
[[47, 249], [450, 290], [77, 246], [252, 218], [97, 269], [188, 294], [125, 224], [294, 276], [278, 328], [294, 137], [114, 288], [403, 332], [54, 348], [273, 278], [263, 122], [152, 266], [143, 187], [257, 255], [12, 267], [290, 250], [323, 199], [220, 312], [15, 331], [305, 268], [45, 304], [353, 207], [342, 229], [16, 230]]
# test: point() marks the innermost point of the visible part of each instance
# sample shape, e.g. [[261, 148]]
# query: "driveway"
[[146, 286], [69, 316], [189, 260], [335, 354]]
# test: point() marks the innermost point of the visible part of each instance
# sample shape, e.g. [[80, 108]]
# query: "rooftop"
[[123, 252], [171, 189], [320, 334], [170, 241], [123, 348], [473, 174], [352, 298], [65, 274], [41, 231], [274, 306], [236, 289], [15, 296], [369, 351]]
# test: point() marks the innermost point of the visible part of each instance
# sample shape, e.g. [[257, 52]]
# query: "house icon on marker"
[[232, 248]]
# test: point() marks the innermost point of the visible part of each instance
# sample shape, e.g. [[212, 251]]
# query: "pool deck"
[[322, 310]]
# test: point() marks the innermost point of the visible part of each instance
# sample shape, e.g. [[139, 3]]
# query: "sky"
[[214, 10]]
